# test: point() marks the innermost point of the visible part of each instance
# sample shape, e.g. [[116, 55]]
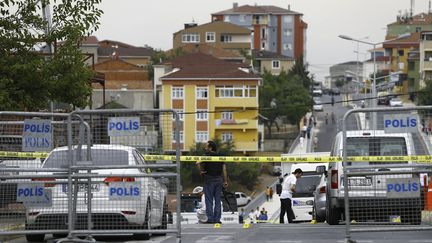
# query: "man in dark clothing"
[[215, 177]]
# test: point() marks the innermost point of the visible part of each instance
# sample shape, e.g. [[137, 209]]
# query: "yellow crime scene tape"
[[253, 159]]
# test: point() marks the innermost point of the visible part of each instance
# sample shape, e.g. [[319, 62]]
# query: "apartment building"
[[214, 98], [275, 29]]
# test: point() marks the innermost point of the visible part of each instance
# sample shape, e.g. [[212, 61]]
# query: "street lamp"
[[345, 37]]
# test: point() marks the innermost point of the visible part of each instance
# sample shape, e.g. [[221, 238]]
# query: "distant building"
[[405, 23], [125, 83], [275, 29], [425, 65], [344, 72], [223, 35], [214, 98], [272, 62]]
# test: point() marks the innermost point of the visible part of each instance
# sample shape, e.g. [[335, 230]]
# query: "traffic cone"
[[246, 226], [217, 226], [313, 221]]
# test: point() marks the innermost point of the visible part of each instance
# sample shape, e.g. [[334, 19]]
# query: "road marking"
[[420, 241], [208, 233], [216, 239]]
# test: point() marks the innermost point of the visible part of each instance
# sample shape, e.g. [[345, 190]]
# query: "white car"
[[396, 102], [118, 202], [242, 199], [318, 106], [317, 92]]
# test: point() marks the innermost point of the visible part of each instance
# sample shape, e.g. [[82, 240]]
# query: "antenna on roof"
[[412, 8]]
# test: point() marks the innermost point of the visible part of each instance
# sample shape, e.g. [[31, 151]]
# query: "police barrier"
[[386, 188], [127, 191], [85, 188], [22, 179]]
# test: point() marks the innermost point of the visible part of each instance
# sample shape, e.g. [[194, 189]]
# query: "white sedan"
[[242, 199], [318, 106], [395, 102], [120, 200]]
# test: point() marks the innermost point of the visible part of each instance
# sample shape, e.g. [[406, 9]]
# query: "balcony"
[[236, 124], [236, 102], [427, 65]]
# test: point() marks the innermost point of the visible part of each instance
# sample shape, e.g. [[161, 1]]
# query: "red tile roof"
[[263, 9], [210, 50], [199, 65]]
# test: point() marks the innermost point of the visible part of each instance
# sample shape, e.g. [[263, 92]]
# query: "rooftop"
[[202, 66], [263, 9]]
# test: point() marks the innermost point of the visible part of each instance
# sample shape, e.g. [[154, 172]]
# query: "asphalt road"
[[273, 233]]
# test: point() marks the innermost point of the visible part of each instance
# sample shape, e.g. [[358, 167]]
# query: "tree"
[[29, 79], [160, 56], [299, 69], [424, 95], [245, 174], [292, 99]]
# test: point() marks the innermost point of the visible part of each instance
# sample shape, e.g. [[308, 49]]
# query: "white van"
[[303, 198], [368, 193]]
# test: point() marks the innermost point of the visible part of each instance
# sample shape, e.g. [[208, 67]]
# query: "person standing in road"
[[333, 117], [326, 118], [288, 188], [215, 177], [242, 215]]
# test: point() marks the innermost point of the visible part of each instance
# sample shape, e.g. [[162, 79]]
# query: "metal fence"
[[95, 180], [385, 190]]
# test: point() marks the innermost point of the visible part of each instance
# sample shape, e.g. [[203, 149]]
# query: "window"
[[174, 138], [263, 33], [227, 115], [190, 38], [202, 115], [287, 19], [177, 93], [275, 64], [287, 32], [418, 29], [227, 136], [201, 92], [180, 114], [245, 91], [263, 45], [201, 137], [288, 46], [226, 38], [226, 18], [242, 18], [210, 36]]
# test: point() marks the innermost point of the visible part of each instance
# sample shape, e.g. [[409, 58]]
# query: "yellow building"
[[215, 98], [398, 51]]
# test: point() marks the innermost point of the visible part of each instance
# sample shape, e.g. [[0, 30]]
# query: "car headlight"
[[309, 202]]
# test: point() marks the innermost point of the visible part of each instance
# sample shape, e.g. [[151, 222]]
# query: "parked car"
[[277, 170], [242, 199], [319, 206], [335, 91], [118, 202], [318, 106], [317, 92], [396, 102]]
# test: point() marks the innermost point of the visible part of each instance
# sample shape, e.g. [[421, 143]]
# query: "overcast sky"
[[152, 22]]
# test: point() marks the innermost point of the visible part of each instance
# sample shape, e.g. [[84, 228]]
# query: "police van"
[[369, 194]]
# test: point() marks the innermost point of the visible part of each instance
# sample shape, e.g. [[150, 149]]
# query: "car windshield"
[[376, 146], [59, 159], [306, 185], [317, 102], [396, 100]]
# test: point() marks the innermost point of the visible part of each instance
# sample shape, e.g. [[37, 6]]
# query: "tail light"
[[334, 179], [33, 213], [128, 212], [108, 180], [322, 189], [44, 180]]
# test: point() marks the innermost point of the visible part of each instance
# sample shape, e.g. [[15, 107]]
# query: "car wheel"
[[35, 238], [333, 215], [146, 224]]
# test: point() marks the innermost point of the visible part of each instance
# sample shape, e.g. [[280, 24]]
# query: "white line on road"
[[208, 233]]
